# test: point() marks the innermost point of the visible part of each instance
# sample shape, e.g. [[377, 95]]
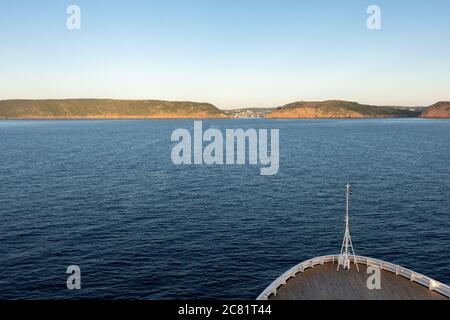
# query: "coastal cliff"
[[437, 110], [337, 109], [107, 109]]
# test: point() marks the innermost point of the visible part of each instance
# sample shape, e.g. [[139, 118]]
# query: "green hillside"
[[338, 109], [104, 108], [438, 110]]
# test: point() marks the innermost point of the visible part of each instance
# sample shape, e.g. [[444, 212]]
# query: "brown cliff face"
[[437, 110], [337, 109]]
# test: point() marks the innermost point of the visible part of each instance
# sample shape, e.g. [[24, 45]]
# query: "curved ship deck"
[[317, 279]]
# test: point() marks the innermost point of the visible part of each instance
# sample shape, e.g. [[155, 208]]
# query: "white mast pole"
[[344, 258], [347, 232]]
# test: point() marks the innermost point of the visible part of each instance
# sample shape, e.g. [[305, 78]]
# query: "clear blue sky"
[[246, 53]]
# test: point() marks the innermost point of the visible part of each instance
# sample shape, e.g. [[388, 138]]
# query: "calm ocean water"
[[105, 195]]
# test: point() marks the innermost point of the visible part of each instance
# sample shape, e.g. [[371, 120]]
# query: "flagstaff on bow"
[[347, 246]]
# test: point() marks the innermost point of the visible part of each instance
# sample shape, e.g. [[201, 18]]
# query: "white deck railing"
[[383, 265]]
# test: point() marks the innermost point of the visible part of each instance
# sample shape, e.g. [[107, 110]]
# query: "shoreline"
[[211, 118]]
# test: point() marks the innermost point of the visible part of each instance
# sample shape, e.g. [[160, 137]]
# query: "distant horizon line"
[[220, 108]]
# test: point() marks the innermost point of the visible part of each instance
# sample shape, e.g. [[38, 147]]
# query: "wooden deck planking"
[[323, 282]]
